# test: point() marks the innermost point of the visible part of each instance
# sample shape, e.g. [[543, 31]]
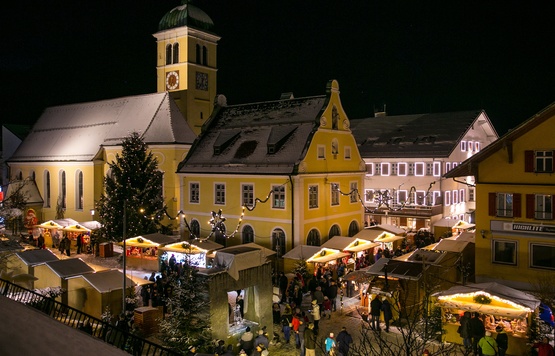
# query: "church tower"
[[186, 61]]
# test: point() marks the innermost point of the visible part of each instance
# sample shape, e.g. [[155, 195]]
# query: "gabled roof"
[[470, 166], [108, 280], [69, 267], [267, 137], [76, 132], [35, 257], [406, 136], [7, 244]]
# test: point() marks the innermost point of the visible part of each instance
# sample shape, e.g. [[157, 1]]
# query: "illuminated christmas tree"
[[133, 191]]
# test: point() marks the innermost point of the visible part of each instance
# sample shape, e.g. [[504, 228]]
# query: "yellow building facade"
[[515, 226], [282, 173]]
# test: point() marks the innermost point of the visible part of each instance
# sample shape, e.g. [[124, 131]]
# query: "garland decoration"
[[482, 299]]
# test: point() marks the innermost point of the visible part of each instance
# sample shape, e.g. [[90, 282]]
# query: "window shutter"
[[492, 208], [528, 161], [517, 205], [530, 206]]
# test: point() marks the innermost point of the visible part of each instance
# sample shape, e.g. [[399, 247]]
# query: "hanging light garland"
[[384, 197]]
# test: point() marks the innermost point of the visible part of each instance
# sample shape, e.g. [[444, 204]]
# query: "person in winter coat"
[[310, 340], [488, 345], [375, 311], [502, 340], [315, 312], [344, 340], [477, 330], [247, 341], [327, 308], [332, 294], [330, 343], [286, 323], [464, 330], [262, 339], [544, 348], [387, 313]]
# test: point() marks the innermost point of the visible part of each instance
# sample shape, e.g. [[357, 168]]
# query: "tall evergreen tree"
[[133, 185], [189, 321]]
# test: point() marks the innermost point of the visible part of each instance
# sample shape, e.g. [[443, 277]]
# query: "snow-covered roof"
[[107, 281], [38, 256], [76, 132], [268, 137], [404, 136], [69, 267]]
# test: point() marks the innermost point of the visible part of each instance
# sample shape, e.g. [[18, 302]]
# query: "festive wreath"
[[140, 239], [323, 253], [482, 299]]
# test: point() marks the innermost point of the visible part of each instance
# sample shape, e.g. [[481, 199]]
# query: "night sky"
[[413, 56]]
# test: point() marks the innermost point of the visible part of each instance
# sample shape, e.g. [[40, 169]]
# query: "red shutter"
[[517, 205], [528, 161], [530, 206], [492, 208]]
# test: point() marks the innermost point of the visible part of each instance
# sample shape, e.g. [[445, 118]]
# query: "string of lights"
[[383, 198]]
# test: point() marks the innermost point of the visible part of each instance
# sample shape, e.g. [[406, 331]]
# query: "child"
[[327, 307]]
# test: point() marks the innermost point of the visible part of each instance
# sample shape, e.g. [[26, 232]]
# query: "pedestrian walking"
[[387, 313], [330, 343], [375, 311], [315, 312], [344, 340], [310, 340]]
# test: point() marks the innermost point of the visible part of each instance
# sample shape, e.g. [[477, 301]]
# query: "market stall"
[[196, 252], [76, 231], [51, 231], [142, 251], [497, 304]]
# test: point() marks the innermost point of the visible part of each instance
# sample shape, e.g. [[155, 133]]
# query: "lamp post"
[[124, 252]]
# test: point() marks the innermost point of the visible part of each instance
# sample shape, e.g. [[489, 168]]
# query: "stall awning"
[[500, 299], [183, 247], [207, 245], [385, 237], [448, 245], [461, 224], [326, 255], [302, 252], [76, 228], [91, 225], [50, 225], [344, 243], [464, 236], [149, 240]]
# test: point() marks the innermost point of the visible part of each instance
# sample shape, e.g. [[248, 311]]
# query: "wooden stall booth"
[[497, 305], [196, 252], [141, 252]]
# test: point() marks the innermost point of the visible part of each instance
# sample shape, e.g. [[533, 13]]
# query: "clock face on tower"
[[172, 80], [202, 81]]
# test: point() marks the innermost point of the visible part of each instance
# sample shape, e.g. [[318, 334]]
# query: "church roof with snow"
[[257, 138], [76, 132]]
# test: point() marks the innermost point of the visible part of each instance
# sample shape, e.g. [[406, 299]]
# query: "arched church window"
[[204, 55], [313, 238], [195, 229], [248, 234], [198, 53], [176, 53], [353, 228], [278, 242], [169, 54]]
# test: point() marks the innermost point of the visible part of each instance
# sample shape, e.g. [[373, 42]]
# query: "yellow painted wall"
[[496, 175]]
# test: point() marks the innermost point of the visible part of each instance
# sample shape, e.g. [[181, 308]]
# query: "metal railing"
[[104, 331]]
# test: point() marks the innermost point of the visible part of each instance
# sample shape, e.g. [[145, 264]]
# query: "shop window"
[[247, 234], [219, 193], [312, 196], [334, 231], [504, 252], [195, 229], [313, 238], [402, 171], [504, 205], [353, 228], [194, 193], [354, 192], [278, 242], [247, 194], [542, 256], [334, 193], [278, 197], [538, 161], [419, 169], [539, 206]]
